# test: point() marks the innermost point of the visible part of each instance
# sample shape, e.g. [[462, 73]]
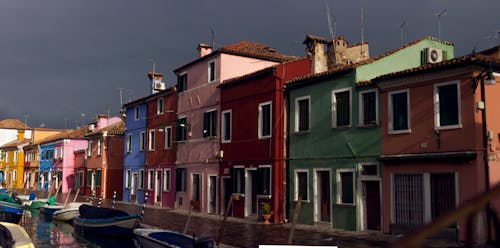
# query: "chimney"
[[156, 82], [315, 48], [331, 54], [204, 49], [20, 134]]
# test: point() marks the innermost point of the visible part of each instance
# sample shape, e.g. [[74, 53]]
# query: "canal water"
[[46, 232]]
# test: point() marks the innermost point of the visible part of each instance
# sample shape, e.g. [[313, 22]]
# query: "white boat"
[[19, 238], [68, 212], [153, 238]]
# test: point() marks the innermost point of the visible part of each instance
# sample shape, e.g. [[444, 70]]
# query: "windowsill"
[[296, 200], [225, 141], [167, 148], [264, 137], [238, 194], [264, 196], [400, 131], [448, 127], [302, 132], [210, 137], [369, 126], [345, 204], [341, 127]]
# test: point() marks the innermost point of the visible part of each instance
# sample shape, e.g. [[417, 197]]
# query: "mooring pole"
[[114, 199]]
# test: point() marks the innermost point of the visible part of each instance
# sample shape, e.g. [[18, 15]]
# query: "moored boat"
[[10, 210], [149, 238], [67, 213], [105, 221], [50, 209], [13, 235]]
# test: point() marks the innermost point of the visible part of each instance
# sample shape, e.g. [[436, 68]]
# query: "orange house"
[[434, 156]]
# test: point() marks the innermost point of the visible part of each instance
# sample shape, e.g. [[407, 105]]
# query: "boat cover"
[[91, 212]]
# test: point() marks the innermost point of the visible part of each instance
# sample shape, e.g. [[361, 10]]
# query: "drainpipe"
[[288, 195], [485, 159]]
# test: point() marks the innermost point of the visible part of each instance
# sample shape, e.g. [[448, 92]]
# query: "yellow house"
[[12, 162]]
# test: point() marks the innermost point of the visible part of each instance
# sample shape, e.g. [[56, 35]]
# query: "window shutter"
[[178, 179], [214, 123]]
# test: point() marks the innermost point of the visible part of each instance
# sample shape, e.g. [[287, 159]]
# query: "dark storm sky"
[[61, 58]]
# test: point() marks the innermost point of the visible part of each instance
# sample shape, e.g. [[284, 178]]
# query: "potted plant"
[[266, 212]]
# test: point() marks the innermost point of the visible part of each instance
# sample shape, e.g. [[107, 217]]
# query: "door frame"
[[133, 186], [316, 197], [248, 191], [362, 199], [209, 210], [158, 186]]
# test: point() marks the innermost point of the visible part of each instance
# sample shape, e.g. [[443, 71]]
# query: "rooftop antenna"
[[65, 123], [332, 30], [26, 116], [212, 36], [42, 124], [439, 21], [362, 27], [121, 96], [83, 119], [401, 27]]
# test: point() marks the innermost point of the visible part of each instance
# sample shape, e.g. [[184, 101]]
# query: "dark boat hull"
[[109, 226], [151, 238]]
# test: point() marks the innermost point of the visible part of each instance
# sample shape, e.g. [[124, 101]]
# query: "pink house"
[[198, 115]]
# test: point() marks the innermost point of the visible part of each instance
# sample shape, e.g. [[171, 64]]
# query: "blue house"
[[135, 150], [46, 166]]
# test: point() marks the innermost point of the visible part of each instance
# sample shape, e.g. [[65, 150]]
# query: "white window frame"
[[151, 140], [14, 175], [334, 107], [215, 71], [339, 187], [142, 141], [15, 156], [99, 147], [270, 103], [167, 180], [168, 141], [296, 184], [365, 177], [137, 113], [437, 123], [223, 126], [129, 143], [297, 113], [89, 149], [128, 176], [391, 114], [185, 84], [210, 112], [362, 109], [270, 178], [151, 179], [159, 103], [141, 180]]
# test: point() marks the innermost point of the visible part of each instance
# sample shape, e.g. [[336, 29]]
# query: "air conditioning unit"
[[432, 56], [158, 86]]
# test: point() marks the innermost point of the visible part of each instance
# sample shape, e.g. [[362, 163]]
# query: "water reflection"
[[46, 232]]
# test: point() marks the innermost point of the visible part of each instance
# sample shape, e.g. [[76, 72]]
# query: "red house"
[[252, 139], [161, 146], [438, 150]]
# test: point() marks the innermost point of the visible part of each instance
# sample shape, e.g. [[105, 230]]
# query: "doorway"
[[133, 187], [195, 192], [323, 196], [158, 187], [371, 205], [212, 194], [250, 192], [226, 193]]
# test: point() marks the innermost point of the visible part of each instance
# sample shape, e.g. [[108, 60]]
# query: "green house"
[[334, 132]]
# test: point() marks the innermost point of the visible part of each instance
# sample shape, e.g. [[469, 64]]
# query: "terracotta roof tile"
[[114, 129], [13, 124], [15, 143], [234, 80], [69, 134]]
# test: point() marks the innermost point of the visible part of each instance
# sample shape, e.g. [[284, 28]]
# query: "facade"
[[13, 161], [161, 147], [198, 112], [134, 151], [449, 129], [8, 130], [104, 158], [252, 136], [334, 136], [46, 170]]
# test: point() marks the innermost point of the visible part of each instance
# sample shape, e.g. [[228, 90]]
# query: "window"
[[302, 117], [341, 108], [151, 140], [182, 82], [14, 175], [151, 176], [99, 146], [141, 179], [264, 180], [159, 106], [226, 126], [98, 177], [182, 129], [129, 143], [345, 186], [2, 155], [447, 105], [137, 113], [265, 120], [89, 178], [368, 169], [128, 179], [142, 141], [89, 149], [211, 71], [368, 107], [15, 156], [301, 185], [166, 180], [210, 123], [180, 179], [168, 137], [399, 111], [238, 180]]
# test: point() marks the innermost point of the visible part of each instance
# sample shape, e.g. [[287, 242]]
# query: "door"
[[227, 192], [195, 192], [212, 194], [250, 192], [93, 183], [371, 193], [158, 187], [324, 195], [133, 187]]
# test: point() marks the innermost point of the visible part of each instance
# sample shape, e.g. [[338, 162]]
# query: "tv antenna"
[[83, 119], [362, 27], [330, 28], [439, 21], [212, 36], [26, 116], [65, 123], [492, 37], [401, 27]]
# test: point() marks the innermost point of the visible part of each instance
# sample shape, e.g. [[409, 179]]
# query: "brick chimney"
[[315, 48], [204, 49]]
